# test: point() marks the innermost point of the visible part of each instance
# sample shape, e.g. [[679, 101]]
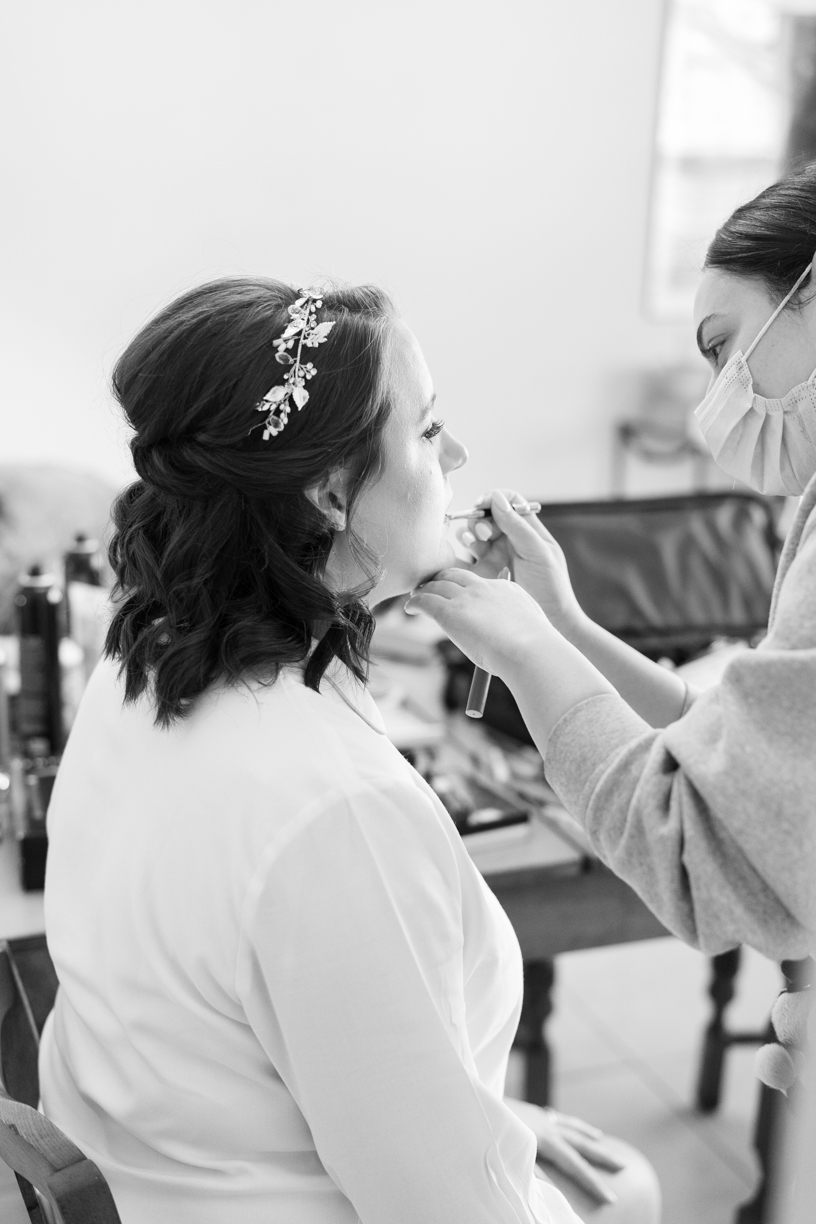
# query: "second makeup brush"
[[480, 684]]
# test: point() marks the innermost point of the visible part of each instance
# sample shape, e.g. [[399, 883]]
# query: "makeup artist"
[[705, 804]]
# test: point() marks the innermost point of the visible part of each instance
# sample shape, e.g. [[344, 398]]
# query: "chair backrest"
[[19, 1038], [39, 1154]]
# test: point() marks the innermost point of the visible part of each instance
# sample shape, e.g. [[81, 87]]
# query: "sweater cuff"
[[584, 742], [691, 696]]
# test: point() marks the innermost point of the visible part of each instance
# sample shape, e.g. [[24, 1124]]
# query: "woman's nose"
[[454, 453]]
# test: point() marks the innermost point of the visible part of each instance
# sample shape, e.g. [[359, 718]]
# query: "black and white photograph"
[[408, 612]]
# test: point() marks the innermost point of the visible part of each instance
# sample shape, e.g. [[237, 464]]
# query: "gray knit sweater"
[[712, 820]]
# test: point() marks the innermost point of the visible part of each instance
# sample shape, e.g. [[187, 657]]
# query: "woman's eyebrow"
[[428, 407], [700, 342]]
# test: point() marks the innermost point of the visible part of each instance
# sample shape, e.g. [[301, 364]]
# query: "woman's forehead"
[[411, 382]]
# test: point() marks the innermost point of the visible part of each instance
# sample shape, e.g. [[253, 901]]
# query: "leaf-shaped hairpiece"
[[303, 327]]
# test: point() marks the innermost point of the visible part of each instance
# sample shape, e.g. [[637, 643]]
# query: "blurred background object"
[[565, 164], [657, 429], [489, 159], [54, 605], [737, 107], [42, 507]]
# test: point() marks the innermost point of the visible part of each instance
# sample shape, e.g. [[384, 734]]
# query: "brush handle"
[[480, 684], [531, 508], [477, 697]]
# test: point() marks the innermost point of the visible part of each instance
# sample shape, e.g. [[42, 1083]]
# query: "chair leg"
[[30, 1200], [770, 1123], [724, 970], [538, 982], [773, 1115]]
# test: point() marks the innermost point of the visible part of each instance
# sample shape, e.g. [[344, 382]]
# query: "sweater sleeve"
[[351, 975], [712, 820]]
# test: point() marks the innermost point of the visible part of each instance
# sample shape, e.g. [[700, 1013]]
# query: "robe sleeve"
[[351, 975]]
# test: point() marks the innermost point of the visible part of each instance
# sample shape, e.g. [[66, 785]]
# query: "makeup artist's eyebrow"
[[701, 346]]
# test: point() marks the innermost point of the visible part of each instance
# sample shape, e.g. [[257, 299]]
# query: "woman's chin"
[[393, 584], [444, 562], [445, 558]]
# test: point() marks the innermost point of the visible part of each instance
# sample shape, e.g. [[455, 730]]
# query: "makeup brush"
[[480, 684], [478, 513]]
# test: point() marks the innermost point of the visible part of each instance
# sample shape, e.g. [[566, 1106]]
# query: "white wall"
[[487, 161]]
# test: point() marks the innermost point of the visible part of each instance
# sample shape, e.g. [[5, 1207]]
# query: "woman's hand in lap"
[[522, 542], [571, 1146]]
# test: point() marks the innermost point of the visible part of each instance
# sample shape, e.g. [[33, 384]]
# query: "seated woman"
[[286, 994]]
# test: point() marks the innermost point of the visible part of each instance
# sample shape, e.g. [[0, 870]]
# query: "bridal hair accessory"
[[304, 330]]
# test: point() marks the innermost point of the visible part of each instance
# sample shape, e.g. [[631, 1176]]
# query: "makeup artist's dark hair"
[[219, 555], [772, 237]]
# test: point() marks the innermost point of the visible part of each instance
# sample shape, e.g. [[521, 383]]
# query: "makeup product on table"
[[87, 604], [31, 784], [82, 562], [480, 684], [477, 810], [40, 728], [5, 749], [478, 513], [5, 717], [40, 627], [81, 566]]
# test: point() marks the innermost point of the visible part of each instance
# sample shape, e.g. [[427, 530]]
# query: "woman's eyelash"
[[712, 351], [433, 429]]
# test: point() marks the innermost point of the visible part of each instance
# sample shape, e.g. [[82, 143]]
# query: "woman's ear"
[[329, 495]]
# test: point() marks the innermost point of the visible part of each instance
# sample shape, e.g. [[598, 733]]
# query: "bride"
[[286, 993]]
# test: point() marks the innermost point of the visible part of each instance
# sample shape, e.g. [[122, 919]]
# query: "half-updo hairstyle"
[[219, 555], [772, 237]]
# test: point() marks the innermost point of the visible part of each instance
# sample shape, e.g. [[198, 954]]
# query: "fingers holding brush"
[[478, 529], [519, 539]]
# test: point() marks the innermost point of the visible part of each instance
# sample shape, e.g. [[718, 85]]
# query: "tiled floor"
[[626, 1037]]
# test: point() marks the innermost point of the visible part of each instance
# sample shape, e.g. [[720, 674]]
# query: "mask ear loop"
[[778, 311]]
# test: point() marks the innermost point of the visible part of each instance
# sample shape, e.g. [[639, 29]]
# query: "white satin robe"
[[286, 994]]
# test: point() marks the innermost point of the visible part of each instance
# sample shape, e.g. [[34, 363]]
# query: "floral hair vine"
[[304, 330]]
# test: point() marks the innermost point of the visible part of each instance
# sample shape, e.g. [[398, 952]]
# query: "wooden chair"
[[47, 1165]]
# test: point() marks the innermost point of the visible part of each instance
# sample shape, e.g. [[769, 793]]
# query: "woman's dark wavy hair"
[[772, 237], [219, 555]]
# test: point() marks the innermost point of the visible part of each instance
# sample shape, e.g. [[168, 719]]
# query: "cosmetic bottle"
[[82, 561], [40, 626], [5, 749], [40, 716], [87, 606]]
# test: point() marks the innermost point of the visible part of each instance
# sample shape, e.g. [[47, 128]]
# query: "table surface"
[[20, 913]]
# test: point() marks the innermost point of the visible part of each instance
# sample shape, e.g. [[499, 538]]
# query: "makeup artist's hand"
[[503, 630], [497, 624], [535, 558], [571, 1145]]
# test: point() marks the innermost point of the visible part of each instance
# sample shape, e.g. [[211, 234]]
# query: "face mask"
[[769, 444]]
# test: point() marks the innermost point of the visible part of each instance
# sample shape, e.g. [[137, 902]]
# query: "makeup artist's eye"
[[433, 429], [712, 351]]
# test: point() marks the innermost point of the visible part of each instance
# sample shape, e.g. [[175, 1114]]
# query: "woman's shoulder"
[[264, 748]]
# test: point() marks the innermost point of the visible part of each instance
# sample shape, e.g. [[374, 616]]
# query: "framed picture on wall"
[[736, 108]]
